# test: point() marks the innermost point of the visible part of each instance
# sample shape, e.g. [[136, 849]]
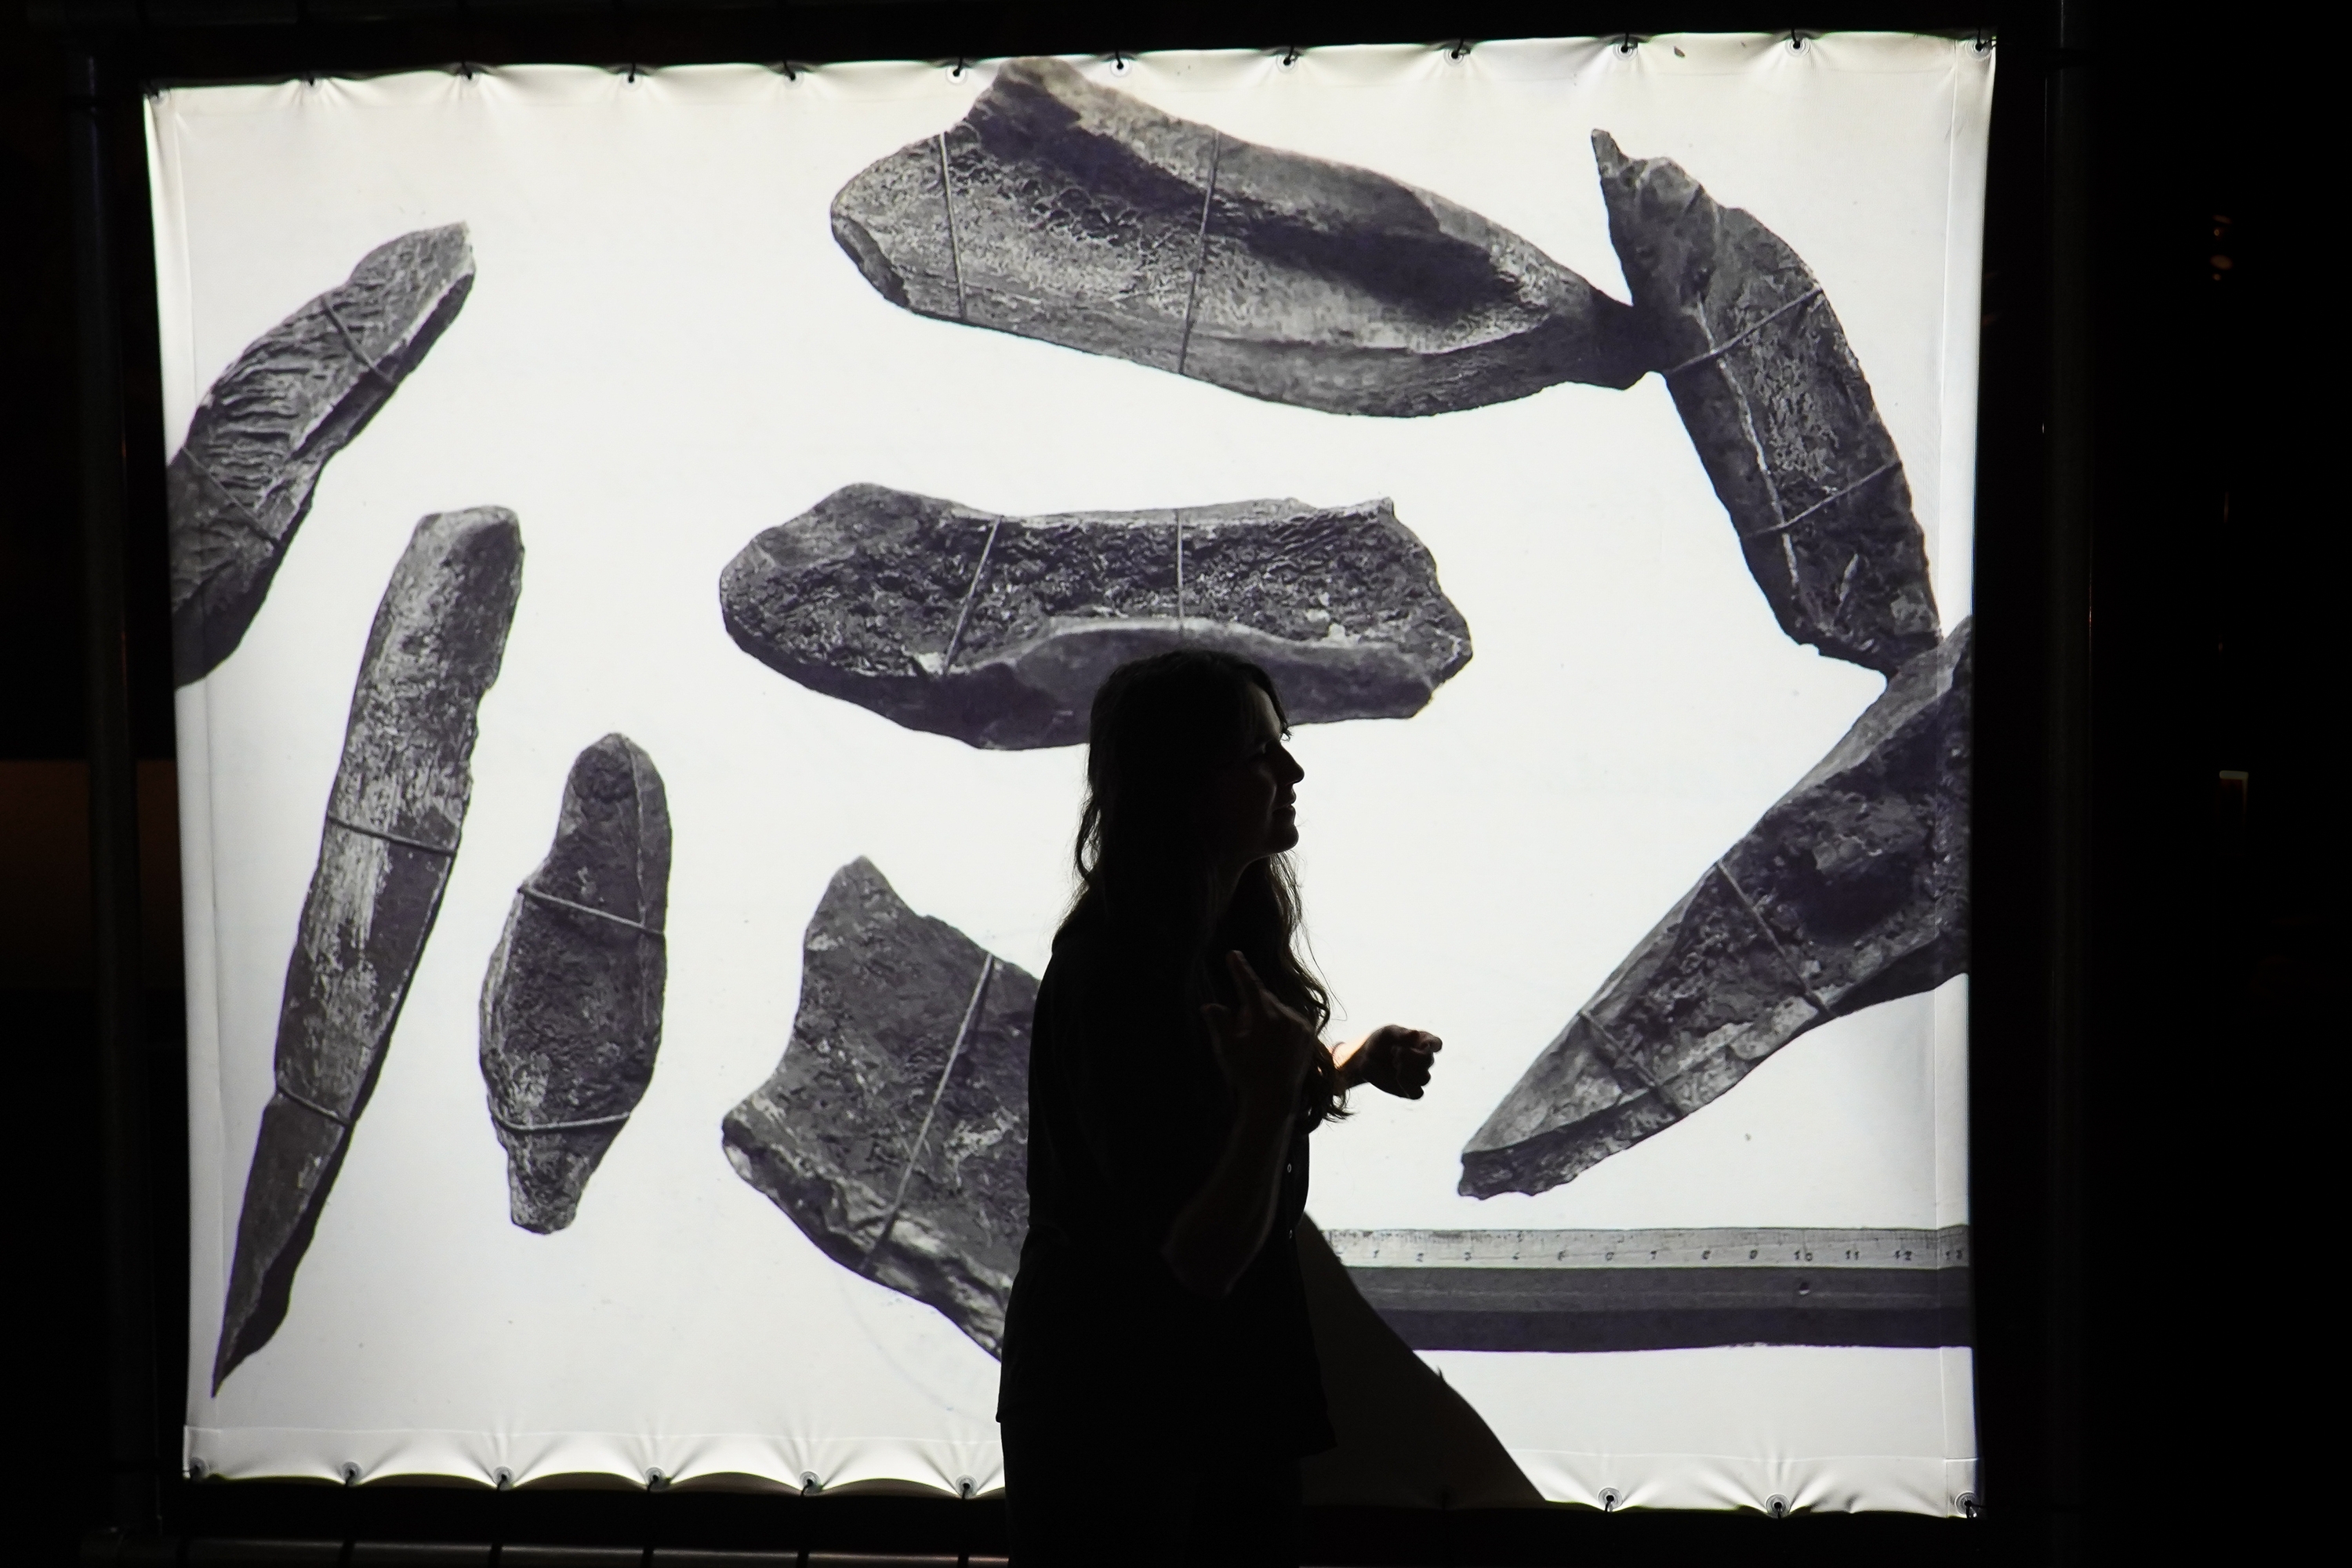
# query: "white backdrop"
[[664, 353]]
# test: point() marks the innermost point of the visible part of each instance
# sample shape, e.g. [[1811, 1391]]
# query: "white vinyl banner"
[[643, 544]]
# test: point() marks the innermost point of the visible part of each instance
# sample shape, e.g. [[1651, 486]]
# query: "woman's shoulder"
[[1090, 938], [1095, 956]]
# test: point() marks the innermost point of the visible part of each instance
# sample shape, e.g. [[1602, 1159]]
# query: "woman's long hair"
[[1159, 728]]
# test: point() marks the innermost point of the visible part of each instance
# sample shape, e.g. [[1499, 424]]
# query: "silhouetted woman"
[[1160, 1381]]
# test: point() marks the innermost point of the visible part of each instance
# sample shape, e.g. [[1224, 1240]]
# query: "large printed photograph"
[[643, 551]]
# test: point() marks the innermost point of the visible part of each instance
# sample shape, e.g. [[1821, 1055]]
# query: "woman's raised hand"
[[1262, 1045], [1394, 1060]]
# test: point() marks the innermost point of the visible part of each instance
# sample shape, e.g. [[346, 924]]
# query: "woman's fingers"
[[1398, 1059], [1257, 1002], [1425, 1046]]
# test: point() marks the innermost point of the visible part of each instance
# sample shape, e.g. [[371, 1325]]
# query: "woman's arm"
[[1264, 1048], [1227, 1221]]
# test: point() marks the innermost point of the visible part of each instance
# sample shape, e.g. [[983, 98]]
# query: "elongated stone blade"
[[393, 824], [1852, 890], [571, 1006], [997, 630], [1078, 215], [895, 1132], [241, 482], [1779, 411]]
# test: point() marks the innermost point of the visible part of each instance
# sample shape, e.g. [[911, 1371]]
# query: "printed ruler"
[[1660, 1289]]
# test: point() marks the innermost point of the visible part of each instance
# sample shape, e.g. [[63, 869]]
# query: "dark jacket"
[[1128, 1114]]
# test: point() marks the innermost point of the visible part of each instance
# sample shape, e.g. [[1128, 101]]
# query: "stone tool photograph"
[[393, 820], [242, 481], [1850, 890], [1580, 433], [895, 1131], [1779, 411], [1070, 212], [997, 630], [572, 1004]]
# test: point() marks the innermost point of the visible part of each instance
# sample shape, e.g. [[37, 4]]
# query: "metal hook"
[[1628, 44], [956, 70], [966, 1487], [656, 1481], [1461, 49], [502, 1479], [1290, 57], [1609, 1497], [1969, 1504], [350, 1473], [810, 1485], [1777, 1505], [1118, 62]]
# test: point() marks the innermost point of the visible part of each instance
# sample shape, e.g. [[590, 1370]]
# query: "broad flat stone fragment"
[[392, 829], [1852, 890], [1060, 210], [896, 1131], [572, 1007], [1779, 411], [997, 630], [241, 482]]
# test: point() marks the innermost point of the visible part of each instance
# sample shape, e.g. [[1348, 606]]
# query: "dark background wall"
[[2153, 895]]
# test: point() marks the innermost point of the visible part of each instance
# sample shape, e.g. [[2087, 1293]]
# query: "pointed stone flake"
[[241, 482], [1852, 890], [393, 822], [1779, 411]]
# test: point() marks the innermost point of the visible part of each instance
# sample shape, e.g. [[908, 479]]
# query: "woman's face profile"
[[1250, 807]]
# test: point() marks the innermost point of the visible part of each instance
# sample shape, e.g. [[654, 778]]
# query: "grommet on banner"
[[1609, 1497], [1460, 50], [1118, 63], [198, 1470], [1628, 44], [502, 1479], [956, 70], [1777, 1505], [1796, 42], [350, 1473], [810, 1485], [1984, 40], [966, 1487], [1969, 1507], [1289, 57], [656, 1481]]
